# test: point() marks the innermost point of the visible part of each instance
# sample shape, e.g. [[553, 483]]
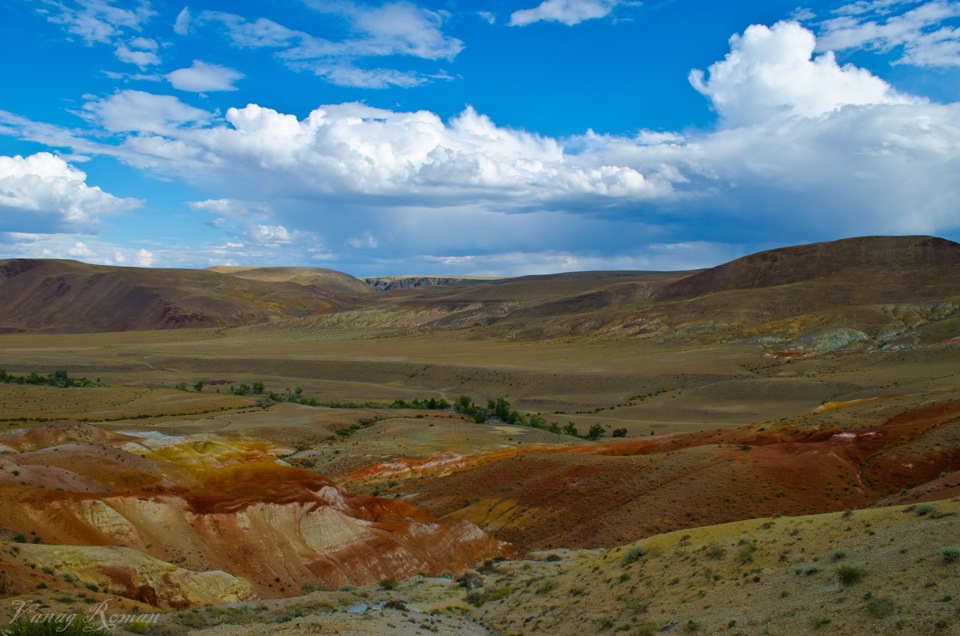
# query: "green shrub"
[[849, 575], [922, 510], [950, 554], [389, 583], [716, 551], [880, 608], [634, 554]]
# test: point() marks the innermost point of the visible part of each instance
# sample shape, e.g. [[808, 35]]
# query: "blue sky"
[[497, 138]]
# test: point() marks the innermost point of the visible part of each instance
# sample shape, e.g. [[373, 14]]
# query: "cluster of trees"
[[432, 404], [501, 410], [58, 378]]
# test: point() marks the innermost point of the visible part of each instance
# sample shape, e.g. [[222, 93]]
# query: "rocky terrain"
[[244, 456]]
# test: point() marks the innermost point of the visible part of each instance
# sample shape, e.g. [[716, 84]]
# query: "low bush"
[[634, 554], [880, 608], [389, 583], [950, 554], [850, 575]]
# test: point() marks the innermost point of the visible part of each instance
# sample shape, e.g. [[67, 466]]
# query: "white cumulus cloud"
[[137, 111], [771, 71], [201, 77], [44, 194]]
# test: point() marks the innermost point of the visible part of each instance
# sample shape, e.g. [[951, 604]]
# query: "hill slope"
[[789, 265], [68, 296]]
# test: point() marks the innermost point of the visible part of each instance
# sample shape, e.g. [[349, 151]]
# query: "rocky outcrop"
[[205, 503], [130, 573]]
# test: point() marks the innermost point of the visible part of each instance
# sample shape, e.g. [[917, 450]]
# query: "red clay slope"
[[617, 492], [275, 526]]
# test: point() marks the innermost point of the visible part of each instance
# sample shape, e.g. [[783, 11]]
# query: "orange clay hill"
[[209, 504], [770, 445]]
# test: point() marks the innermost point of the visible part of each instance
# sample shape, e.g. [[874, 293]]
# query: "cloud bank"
[[805, 148]]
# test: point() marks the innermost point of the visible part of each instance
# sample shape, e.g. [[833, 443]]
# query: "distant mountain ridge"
[[862, 286]]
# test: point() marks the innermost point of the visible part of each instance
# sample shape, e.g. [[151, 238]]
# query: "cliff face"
[[201, 519]]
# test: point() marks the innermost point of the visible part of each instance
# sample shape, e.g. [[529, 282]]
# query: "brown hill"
[[875, 291], [323, 280], [815, 261], [68, 296]]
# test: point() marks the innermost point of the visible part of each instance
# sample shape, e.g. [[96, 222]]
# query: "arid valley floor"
[[786, 458]]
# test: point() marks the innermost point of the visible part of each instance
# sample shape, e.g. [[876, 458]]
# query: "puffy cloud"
[[567, 12], [142, 59], [356, 150], [90, 250], [144, 258], [137, 111], [201, 77], [44, 194], [771, 71], [80, 250], [367, 241], [269, 234], [920, 33]]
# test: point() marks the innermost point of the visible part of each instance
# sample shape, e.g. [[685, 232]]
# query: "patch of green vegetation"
[[634, 554], [818, 622], [716, 551], [547, 586], [950, 554], [58, 378], [880, 608], [389, 583], [850, 575]]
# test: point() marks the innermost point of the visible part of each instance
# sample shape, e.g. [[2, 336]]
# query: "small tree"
[[570, 428], [463, 403], [595, 432], [198, 387], [259, 387], [619, 432]]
